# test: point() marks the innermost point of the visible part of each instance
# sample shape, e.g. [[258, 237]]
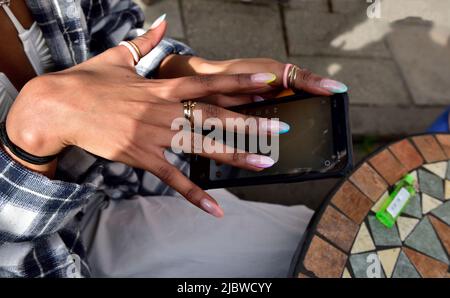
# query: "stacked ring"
[[134, 50], [188, 111], [290, 75]]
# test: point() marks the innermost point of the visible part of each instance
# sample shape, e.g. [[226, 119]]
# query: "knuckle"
[[206, 81], [192, 193], [237, 157], [211, 111], [241, 79], [165, 173], [306, 75]]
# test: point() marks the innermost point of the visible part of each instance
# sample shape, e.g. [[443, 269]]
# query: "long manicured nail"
[[260, 161], [211, 207], [158, 22], [257, 98], [275, 127], [333, 86], [265, 77]]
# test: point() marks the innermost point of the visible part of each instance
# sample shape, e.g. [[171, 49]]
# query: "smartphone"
[[318, 144]]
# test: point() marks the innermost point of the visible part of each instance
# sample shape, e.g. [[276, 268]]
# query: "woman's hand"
[[104, 107], [175, 65]]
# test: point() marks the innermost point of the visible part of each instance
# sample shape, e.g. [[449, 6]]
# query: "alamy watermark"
[[374, 9]]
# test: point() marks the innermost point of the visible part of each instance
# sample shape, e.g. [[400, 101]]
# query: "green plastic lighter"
[[398, 199]]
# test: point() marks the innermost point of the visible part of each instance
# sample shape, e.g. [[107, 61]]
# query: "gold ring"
[[188, 111], [135, 47], [292, 76]]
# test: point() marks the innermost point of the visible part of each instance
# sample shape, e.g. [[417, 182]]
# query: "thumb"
[[150, 39]]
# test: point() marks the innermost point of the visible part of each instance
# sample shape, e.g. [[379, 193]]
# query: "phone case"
[[197, 161]]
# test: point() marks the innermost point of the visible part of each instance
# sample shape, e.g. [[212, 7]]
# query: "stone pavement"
[[397, 66]]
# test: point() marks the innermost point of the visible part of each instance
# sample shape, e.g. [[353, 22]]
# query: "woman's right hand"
[[104, 107]]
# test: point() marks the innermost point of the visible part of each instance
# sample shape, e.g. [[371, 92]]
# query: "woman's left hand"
[[175, 66]]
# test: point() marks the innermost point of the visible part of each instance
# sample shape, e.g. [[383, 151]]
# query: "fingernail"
[[257, 98], [333, 86], [260, 161], [265, 77], [158, 22], [275, 126], [211, 207]]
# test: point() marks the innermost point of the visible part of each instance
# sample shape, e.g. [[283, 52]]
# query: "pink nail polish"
[[211, 207], [263, 77], [257, 98], [260, 161]]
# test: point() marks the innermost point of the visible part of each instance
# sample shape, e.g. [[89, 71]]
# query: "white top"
[[37, 53]]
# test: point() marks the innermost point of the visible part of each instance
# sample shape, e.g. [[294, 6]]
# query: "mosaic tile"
[[407, 154], [369, 182], [380, 202], [383, 236], [431, 184], [363, 241], [426, 266], [443, 232], [324, 260], [352, 202], [425, 240], [430, 148], [388, 258], [443, 212], [405, 226], [414, 175], [404, 268], [388, 166], [429, 203], [366, 265], [346, 274], [414, 207], [438, 168], [444, 140], [337, 228], [447, 190]]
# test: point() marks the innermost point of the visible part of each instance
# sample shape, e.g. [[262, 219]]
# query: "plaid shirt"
[[39, 217]]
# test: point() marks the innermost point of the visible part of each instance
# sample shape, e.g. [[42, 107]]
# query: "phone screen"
[[307, 147]]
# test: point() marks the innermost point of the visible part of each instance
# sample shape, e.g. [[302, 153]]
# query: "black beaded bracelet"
[[19, 152]]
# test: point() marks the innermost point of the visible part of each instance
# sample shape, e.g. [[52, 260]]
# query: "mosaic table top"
[[346, 240]]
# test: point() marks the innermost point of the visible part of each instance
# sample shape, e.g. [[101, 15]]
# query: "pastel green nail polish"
[[333, 86]]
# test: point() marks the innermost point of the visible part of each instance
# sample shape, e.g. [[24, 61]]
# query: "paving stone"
[[364, 78], [224, 30], [369, 182], [405, 152], [352, 202], [346, 274], [438, 168], [426, 69], [337, 228], [388, 258], [380, 202], [363, 241], [388, 166], [366, 264], [404, 268], [444, 140], [337, 34], [348, 6], [405, 226], [431, 184], [307, 5], [382, 235], [172, 9], [443, 212], [324, 260], [414, 207], [443, 232], [430, 148], [425, 240], [426, 266], [429, 203]]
